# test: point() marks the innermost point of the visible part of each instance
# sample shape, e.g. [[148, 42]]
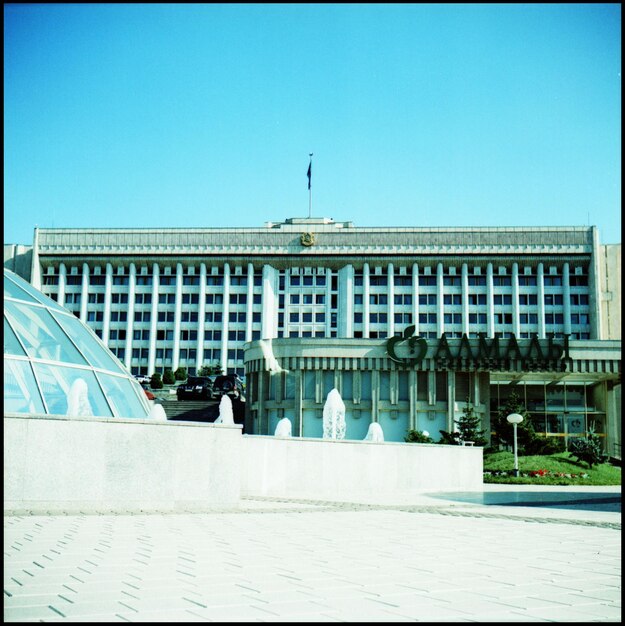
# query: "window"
[[501, 299], [553, 281], [403, 299], [427, 299], [452, 318], [527, 281], [528, 299], [452, 281], [502, 281], [477, 281], [452, 298], [427, 281], [553, 299], [477, 298]]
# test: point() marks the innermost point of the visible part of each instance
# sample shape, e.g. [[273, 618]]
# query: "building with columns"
[[309, 304]]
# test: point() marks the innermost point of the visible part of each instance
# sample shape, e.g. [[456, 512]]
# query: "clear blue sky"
[[139, 115]]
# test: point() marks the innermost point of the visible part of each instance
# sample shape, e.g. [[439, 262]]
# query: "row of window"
[[375, 299]]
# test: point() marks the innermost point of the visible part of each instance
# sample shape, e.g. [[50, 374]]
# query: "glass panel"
[[124, 395], [385, 386], [328, 383], [365, 385], [555, 423], [24, 291], [289, 386], [11, 344], [20, 389], [95, 353], [575, 396], [404, 388], [309, 385], [348, 385], [40, 334], [575, 423], [71, 391]]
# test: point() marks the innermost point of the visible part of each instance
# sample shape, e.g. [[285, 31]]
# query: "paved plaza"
[[432, 559]]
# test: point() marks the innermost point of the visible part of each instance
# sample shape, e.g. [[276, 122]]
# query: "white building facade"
[[169, 298]]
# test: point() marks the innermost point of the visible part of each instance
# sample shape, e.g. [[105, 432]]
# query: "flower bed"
[[541, 473]]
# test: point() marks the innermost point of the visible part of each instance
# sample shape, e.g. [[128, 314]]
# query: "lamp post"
[[514, 419]]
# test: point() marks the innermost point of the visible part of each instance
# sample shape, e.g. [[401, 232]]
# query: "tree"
[[469, 426], [181, 373], [503, 434], [156, 382], [468, 429], [168, 377]]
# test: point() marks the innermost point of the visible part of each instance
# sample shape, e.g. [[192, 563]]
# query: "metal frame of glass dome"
[[56, 365]]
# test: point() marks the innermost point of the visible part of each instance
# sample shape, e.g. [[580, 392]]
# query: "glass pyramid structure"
[[56, 365]]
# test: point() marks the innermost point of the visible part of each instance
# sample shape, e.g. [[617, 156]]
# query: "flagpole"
[[310, 186]]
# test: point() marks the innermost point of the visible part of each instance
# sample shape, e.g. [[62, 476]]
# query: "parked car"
[[229, 384], [143, 379], [195, 388]]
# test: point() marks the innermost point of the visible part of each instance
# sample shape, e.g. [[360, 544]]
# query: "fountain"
[[78, 399], [226, 415], [375, 433], [334, 416], [157, 412], [283, 428]]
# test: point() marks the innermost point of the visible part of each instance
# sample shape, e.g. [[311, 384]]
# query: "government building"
[[409, 324]]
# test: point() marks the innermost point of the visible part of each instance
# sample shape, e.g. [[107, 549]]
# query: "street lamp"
[[514, 419]]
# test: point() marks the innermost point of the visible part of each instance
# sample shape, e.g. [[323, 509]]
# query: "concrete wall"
[[355, 471], [58, 464]]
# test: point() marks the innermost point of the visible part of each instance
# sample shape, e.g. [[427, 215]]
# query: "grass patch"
[[555, 469]]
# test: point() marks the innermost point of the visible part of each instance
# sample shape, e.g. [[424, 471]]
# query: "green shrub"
[[417, 436], [181, 373], [156, 381], [168, 377], [210, 370], [587, 449]]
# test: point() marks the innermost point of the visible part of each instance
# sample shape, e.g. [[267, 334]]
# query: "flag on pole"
[[309, 173]]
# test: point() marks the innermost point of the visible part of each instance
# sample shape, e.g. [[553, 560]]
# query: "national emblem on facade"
[[307, 239]]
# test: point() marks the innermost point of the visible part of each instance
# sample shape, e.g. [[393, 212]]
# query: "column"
[[490, 301], [516, 320], [391, 299], [451, 400], [62, 284], [328, 294], [201, 319], [596, 287], [153, 319], [249, 309], [346, 302], [540, 282], [132, 284], [84, 297], [108, 286], [415, 300], [440, 310], [465, 299], [225, 320], [566, 297], [269, 318], [365, 300], [177, 318]]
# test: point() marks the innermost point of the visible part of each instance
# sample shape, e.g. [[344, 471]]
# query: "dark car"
[[228, 384], [195, 388]]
